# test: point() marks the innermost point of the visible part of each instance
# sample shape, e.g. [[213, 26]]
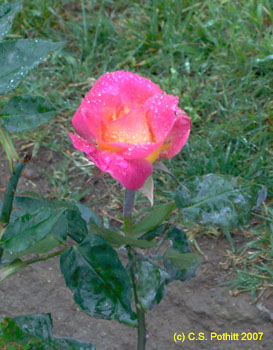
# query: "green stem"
[[141, 330], [127, 210], [18, 264], [10, 191], [9, 196], [141, 326], [128, 223]]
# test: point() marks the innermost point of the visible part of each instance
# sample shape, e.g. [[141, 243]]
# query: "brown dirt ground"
[[201, 305]]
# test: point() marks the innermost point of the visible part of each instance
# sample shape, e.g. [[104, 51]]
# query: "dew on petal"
[[129, 118]]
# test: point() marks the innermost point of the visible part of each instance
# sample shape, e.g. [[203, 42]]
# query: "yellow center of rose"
[[127, 126], [130, 127], [120, 112]]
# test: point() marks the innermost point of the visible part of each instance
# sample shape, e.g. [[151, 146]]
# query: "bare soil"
[[201, 305]]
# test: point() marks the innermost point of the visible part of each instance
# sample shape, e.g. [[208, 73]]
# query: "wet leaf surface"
[[26, 112], [99, 282], [220, 200], [18, 57], [179, 262], [156, 216], [7, 13], [150, 283], [35, 332]]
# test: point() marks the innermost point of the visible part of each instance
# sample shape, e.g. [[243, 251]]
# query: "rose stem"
[[9, 196], [11, 188], [127, 213]]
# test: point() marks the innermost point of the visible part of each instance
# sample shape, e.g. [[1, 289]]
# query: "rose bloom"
[[125, 123]]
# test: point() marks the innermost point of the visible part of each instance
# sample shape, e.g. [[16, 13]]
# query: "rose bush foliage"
[[125, 123]]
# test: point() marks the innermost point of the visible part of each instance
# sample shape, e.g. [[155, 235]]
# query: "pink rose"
[[125, 123]]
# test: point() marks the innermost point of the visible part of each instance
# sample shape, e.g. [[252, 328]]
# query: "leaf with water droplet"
[[26, 112], [99, 282], [150, 286], [72, 222], [18, 57], [183, 267], [35, 332], [37, 232], [7, 13], [219, 200]]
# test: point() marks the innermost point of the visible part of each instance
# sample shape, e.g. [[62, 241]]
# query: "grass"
[[253, 263], [215, 55]]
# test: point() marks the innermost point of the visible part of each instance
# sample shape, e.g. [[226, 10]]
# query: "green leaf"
[[37, 232], [73, 224], [219, 200], [157, 232], [10, 191], [179, 240], [34, 332], [156, 217], [18, 57], [115, 238], [179, 262], [26, 205], [99, 282], [76, 226], [37, 324], [7, 13], [14, 337], [26, 112], [43, 246], [150, 286], [88, 214]]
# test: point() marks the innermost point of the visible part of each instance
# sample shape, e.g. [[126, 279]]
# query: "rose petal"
[[87, 121], [129, 151], [81, 144], [178, 135], [161, 115], [132, 88], [131, 174], [125, 150], [82, 124], [140, 151]]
